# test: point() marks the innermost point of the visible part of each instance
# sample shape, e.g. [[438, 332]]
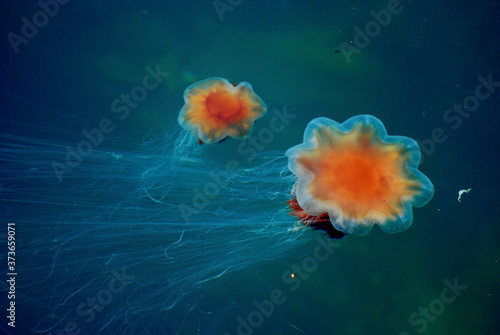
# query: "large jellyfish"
[[354, 175], [146, 241]]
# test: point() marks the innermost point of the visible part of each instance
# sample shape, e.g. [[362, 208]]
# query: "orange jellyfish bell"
[[356, 175], [214, 109]]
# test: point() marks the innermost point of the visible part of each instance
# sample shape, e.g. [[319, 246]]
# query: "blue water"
[[105, 244]]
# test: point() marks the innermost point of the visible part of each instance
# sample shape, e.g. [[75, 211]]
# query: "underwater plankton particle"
[[215, 108], [461, 192], [358, 175]]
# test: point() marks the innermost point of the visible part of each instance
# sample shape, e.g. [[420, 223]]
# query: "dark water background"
[[428, 58]]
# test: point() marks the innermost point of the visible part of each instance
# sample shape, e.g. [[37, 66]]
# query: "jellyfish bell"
[[215, 109], [358, 175]]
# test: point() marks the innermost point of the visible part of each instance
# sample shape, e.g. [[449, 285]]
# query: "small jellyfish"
[[215, 108], [353, 175]]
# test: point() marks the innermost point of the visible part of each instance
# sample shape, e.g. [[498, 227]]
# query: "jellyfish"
[[144, 240], [353, 175], [215, 109]]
